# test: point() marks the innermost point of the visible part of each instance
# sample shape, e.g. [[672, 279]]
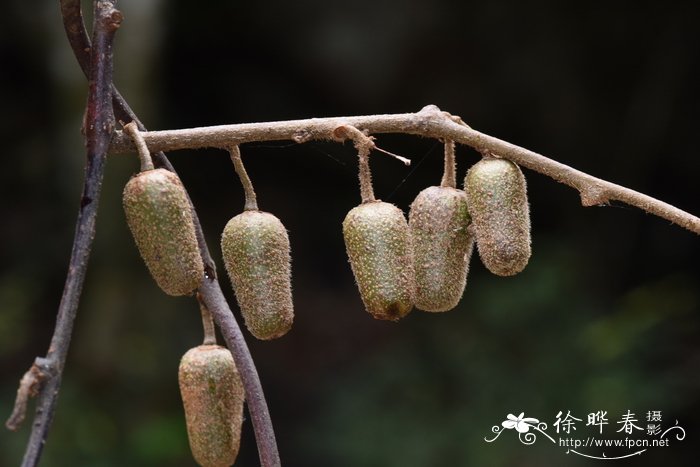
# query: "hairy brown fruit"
[[497, 201], [378, 243], [442, 247], [255, 247], [212, 394], [160, 219]]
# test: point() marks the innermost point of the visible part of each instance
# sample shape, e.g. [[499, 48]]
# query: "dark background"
[[605, 317]]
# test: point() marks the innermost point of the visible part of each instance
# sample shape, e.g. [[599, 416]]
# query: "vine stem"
[[428, 122], [99, 125], [210, 291]]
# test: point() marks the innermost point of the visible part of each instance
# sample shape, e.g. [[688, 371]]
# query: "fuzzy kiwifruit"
[[212, 394], [497, 201], [442, 246], [255, 247], [378, 243], [160, 219]]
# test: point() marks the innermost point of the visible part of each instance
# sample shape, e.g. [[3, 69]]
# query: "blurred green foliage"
[[606, 316]]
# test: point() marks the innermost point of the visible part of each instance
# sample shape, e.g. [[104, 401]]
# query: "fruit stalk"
[[364, 145], [132, 130], [207, 322], [251, 200], [449, 176]]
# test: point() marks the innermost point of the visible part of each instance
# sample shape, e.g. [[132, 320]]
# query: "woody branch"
[[43, 380], [429, 122]]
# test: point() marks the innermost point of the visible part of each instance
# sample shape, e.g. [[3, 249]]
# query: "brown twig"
[[99, 125], [257, 406], [429, 122]]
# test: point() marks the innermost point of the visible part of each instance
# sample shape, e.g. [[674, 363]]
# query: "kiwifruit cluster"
[[212, 394], [396, 264], [442, 245], [378, 243], [255, 248], [497, 201], [426, 261], [159, 216]]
